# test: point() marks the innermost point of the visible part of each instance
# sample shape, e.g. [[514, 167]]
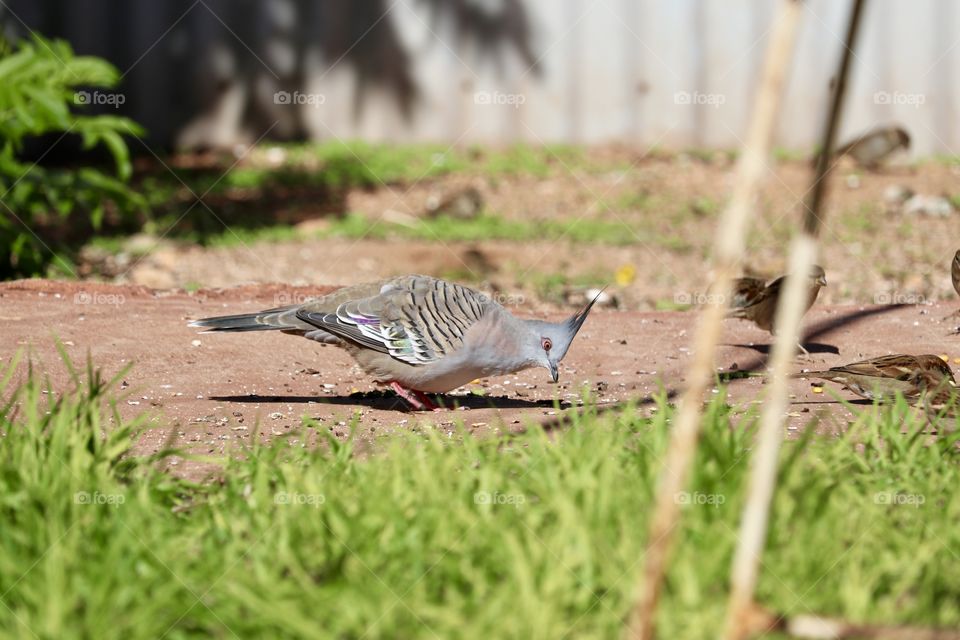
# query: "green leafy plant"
[[43, 85]]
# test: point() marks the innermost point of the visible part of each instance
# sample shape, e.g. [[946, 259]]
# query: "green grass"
[[552, 286], [333, 165], [670, 304], [704, 206], [338, 165], [518, 160], [634, 201], [865, 219], [249, 194], [488, 226], [941, 159], [783, 154], [532, 536], [241, 236]]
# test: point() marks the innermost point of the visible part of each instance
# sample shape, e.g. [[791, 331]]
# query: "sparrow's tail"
[[727, 376], [283, 318], [825, 375]]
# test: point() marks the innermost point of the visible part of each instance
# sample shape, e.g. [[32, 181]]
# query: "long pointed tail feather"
[[283, 318], [241, 322]]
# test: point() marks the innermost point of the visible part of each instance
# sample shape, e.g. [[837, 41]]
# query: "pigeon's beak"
[[554, 371], [822, 281]]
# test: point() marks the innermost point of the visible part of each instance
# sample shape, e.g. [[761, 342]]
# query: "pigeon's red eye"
[[546, 344]]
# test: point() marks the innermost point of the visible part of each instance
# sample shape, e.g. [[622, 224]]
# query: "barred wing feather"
[[417, 319]]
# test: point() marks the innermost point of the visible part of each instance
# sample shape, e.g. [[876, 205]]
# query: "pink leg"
[[416, 399], [427, 402]]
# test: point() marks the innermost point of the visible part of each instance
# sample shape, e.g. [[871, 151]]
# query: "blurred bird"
[[955, 272], [942, 403], [462, 204], [756, 301], [419, 334], [871, 149], [955, 278], [882, 378]]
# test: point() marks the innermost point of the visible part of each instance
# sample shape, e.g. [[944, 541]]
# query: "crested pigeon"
[[754, 300], [419, 334]]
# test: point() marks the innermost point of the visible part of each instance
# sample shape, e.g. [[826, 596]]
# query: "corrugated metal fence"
[[665, 73]]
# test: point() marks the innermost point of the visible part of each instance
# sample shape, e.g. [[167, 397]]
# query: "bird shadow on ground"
[[387, 401], [818, 330], [571, 417], [811, 347], [860, 402]]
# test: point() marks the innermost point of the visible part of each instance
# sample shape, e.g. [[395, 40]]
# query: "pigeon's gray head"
[[549, 341]]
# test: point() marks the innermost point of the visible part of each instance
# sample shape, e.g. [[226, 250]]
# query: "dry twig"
[[728, 252], [803, 254]]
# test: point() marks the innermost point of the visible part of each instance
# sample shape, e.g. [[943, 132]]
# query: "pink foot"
[[425, 399], [416, 399]]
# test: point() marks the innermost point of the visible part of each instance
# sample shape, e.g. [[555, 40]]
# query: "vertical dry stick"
[[728, 251], [803, 254], [753, 530], [811, 220]]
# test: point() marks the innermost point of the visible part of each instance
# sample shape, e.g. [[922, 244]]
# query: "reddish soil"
[[667, 207], [208, 393]]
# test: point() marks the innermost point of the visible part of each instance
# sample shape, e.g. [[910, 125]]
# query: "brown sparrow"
[[755, 301], [873, 148], [881, 378]]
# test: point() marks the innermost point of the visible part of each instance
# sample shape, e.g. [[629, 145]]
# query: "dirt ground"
[[875, 248], [208, 393]]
